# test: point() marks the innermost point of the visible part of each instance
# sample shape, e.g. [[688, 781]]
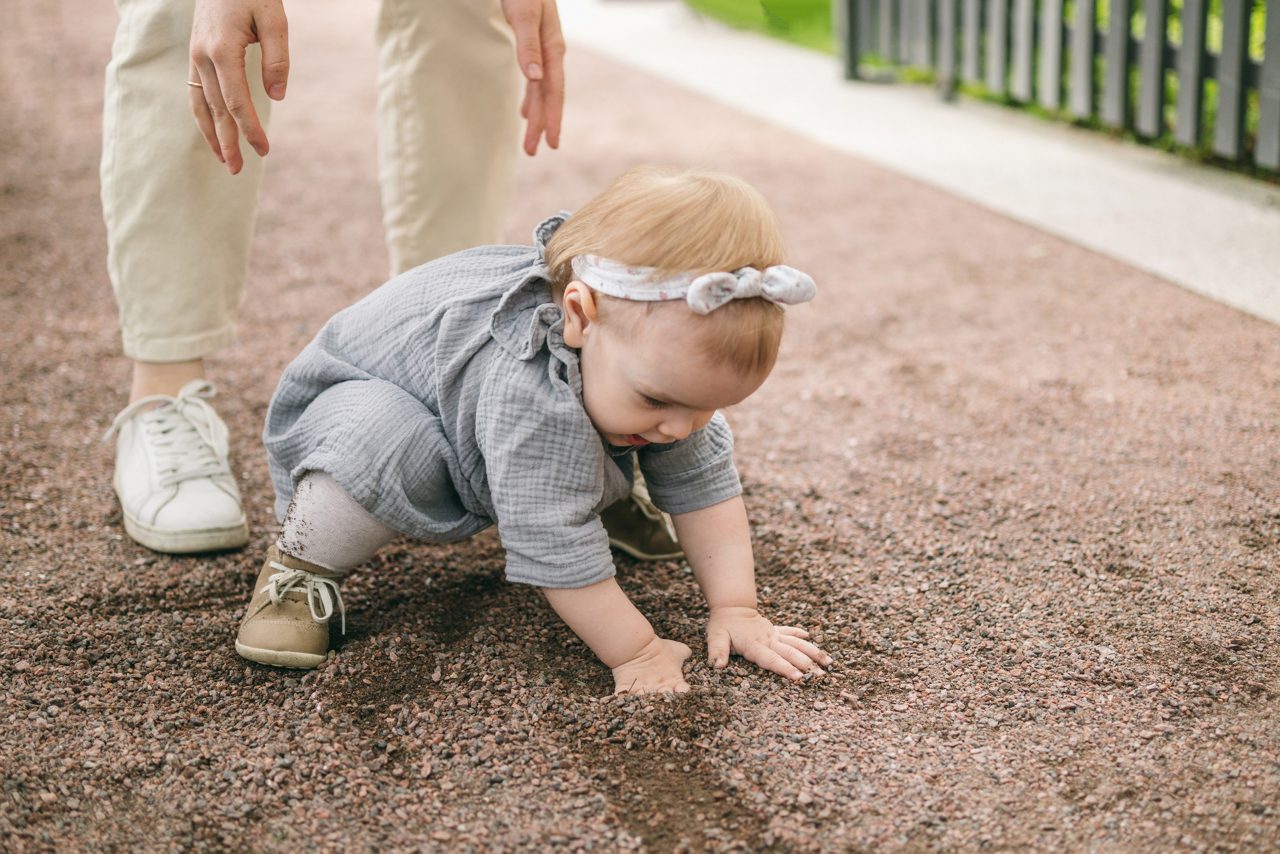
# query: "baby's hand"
[[655, 668], [782, 649]]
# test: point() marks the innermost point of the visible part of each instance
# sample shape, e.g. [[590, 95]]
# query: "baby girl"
[[515, 386]]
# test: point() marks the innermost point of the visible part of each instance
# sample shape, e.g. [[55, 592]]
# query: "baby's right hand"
[[656, 668]]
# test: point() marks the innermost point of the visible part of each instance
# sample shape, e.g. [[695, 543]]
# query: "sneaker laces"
[[188, 438], [321, 593]]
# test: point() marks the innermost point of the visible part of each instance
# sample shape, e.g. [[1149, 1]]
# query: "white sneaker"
[[175, 486]]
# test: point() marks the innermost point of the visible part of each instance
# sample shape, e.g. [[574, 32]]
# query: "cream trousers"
[[179, 227]]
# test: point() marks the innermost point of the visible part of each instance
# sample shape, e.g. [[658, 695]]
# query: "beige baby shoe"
[[639, 528], [287, 621]]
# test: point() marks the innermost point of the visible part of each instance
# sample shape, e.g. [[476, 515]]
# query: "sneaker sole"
[[280, 658], [639, 555], [187, 542]]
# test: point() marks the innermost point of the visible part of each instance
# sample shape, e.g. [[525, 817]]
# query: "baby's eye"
[[652, 402]]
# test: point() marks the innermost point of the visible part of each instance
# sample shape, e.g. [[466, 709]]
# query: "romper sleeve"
[[546, 470], [694, 473]]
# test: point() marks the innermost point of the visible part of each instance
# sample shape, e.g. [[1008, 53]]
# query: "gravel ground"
[[1026, 495]]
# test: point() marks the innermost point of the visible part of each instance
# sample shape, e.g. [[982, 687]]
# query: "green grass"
[[803, 22]]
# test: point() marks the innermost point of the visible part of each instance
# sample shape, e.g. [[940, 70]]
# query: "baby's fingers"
[[798, 658], [816, 654], [677, 687], [718, 645], [793, 631], [769, 659]]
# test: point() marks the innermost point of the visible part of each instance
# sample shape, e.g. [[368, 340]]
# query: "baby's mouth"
[[635, 439]]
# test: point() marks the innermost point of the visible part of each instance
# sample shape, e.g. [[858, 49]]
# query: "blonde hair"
[[682, 222]]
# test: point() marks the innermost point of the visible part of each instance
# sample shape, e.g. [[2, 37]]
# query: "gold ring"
[[195, 84]]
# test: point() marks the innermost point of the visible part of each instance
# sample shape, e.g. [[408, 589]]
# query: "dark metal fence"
[[1052, 52]]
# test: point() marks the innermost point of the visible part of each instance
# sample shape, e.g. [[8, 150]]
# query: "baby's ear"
[[579, 306]]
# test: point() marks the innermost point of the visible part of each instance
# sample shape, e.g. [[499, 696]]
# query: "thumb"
[[526, 24], [718, 648], [273, 35]]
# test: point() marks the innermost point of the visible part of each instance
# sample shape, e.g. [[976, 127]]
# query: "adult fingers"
[[233, 82], [200, 110], [552, 104], [223, 122], [807, 648], [718, 648], [273, 35], [533, 121], [525, 18], [553, 74]]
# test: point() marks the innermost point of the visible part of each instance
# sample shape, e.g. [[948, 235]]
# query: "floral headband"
[[781, 284]]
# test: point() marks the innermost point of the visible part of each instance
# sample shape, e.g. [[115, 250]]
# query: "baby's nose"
[[678, 429]]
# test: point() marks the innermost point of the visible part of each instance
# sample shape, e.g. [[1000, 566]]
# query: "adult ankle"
[[150, 378]]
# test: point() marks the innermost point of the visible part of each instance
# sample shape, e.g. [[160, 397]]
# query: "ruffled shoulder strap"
[[542, 233]]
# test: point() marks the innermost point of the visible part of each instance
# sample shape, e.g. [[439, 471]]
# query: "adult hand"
[[657, 668], [782, 649], [540, 55], [222, 106]]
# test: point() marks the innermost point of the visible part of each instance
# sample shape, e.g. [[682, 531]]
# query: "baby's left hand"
[[782, 649]]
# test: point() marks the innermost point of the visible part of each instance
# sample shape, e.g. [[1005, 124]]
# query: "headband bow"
[[780, 284]]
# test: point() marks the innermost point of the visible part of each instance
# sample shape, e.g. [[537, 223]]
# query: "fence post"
[[1050, 78], [866, 24], [1084, 33], [924, 33], [1115, 76], [1268, 150], [1228, 128], [972, 41], [1150, 118], [845, 15], [888, 44], [1191, 54], [997, 44], [947, 10], [1024, 49], [906, 29]]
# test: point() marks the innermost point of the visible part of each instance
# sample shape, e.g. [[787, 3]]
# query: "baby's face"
[[650, 385]]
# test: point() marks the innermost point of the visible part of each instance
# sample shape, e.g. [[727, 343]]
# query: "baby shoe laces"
[[640, 495], [188, 438], [321, 593]]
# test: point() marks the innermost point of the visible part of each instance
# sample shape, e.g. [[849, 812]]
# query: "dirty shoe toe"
[[287, 621]]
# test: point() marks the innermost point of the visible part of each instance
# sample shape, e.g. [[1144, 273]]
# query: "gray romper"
[[446, 401]]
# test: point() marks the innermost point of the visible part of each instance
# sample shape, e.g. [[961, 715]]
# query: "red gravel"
[[1026, 495]]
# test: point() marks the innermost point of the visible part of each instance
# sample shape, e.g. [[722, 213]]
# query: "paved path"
[[1025, 493], [1205, 229]]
